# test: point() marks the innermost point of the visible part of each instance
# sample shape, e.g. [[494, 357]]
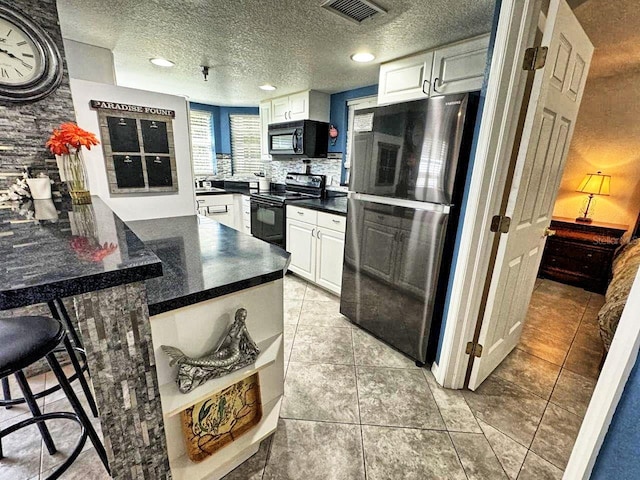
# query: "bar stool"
[[60, 313], [26, 340]]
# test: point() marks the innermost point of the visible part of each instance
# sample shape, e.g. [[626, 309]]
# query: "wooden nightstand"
[[580, 254]]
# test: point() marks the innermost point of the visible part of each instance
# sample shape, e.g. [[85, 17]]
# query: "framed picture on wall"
[[138, 146]]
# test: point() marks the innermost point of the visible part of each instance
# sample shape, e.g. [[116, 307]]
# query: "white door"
[[299, 106], [280, 110], [405, 79], [330, 252], [301, 243], [551, 116], [460, 67]]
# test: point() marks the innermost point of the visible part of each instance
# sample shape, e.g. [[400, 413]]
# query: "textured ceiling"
[[293, 44], [614, 29]]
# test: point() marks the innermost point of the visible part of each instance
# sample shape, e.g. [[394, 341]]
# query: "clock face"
[[20, 58], [30, 61]]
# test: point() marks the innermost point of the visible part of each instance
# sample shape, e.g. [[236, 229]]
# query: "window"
[[202, 142], [245, 144]]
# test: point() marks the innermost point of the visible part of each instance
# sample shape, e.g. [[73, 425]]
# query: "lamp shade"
[[595, 184]]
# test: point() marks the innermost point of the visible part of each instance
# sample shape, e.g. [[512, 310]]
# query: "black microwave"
[[302, 138]]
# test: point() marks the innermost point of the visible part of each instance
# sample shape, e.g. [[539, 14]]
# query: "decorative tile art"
[[221, 419]]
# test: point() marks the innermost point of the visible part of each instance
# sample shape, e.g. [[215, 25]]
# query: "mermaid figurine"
[[237, 350]]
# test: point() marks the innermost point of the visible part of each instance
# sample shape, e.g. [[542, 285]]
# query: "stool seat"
[[25, 340]]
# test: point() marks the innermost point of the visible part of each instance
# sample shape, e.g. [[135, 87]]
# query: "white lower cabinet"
[[329, 256], [301, 244], [316, 243], [232, 210]]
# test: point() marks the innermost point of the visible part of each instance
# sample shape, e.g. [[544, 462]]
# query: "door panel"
[[552, 112], [405, 79], [279, 110], [299, 106], [459, 68], [330, 252], [301, 243]]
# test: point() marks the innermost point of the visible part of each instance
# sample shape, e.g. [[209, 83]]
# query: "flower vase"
[[76, 177]]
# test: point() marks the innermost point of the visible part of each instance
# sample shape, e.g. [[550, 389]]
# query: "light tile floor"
[[356, 409]]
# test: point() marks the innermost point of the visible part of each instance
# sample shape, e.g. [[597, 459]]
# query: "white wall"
[[88, 62], [606, 138], [138, 206]]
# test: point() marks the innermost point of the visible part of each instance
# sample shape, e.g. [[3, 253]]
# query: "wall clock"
[[30, 62]]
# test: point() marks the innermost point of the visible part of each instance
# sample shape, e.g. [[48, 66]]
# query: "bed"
[[623, 272]]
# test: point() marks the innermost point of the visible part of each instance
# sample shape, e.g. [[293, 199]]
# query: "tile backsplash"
[[277, 169], [331, 167]]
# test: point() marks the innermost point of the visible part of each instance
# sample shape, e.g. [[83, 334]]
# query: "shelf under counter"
[[174, 401], [183, 468]]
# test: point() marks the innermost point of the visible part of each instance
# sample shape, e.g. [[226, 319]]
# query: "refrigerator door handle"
[[400, 202]]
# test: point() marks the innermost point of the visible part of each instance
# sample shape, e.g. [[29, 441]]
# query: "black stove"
[[268, 215]]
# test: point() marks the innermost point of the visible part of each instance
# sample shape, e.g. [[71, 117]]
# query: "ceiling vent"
[[355, 10]]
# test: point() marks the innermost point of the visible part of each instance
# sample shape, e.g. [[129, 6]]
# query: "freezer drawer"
[[391, 272]]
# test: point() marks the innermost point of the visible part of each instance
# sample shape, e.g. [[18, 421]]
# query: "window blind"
[[245, 144], [201, 142]]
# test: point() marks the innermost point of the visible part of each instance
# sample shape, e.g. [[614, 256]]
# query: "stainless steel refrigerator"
[[408, 168]]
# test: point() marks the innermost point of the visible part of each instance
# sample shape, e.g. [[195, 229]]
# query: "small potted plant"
[[67, 141]]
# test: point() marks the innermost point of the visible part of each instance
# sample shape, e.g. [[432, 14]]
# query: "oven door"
[[286, 141], [268, 221]]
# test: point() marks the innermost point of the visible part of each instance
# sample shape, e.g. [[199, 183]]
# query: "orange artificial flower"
[[69, 135]]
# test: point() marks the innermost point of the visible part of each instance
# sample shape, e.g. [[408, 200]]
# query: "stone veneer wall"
[[26, 127]]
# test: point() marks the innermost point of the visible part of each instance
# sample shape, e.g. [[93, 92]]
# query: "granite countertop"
[[334, 205], [203, 259], [56, 249]]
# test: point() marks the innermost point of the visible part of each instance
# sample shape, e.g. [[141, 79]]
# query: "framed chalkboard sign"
[[138, 148]]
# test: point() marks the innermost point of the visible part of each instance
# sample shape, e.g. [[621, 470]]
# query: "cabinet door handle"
[[425, 84], [435, 85], [335, 221], [300, 213], [319, 235], [313, 233]]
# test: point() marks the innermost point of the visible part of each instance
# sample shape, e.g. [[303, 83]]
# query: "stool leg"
[[77, 407], [6, 391], [35, 410], [59, 312], [81, 378]]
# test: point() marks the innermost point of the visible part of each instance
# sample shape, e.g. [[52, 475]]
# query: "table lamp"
[[592, 184]]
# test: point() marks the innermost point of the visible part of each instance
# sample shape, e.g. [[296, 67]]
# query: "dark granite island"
[[113, 273], [210, 271]]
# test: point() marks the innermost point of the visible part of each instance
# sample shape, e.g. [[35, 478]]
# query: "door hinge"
[[534, 58], [500, 224], [475, 349]]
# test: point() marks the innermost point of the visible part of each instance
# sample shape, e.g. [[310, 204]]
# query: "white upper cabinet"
[[459, 68], [265, 119], [309, 105], [299, 106], [449, 69], [279, 110], [405, 79]]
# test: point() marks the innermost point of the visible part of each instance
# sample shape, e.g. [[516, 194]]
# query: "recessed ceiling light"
[[267, 87], [363, 57], [162, 62]]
